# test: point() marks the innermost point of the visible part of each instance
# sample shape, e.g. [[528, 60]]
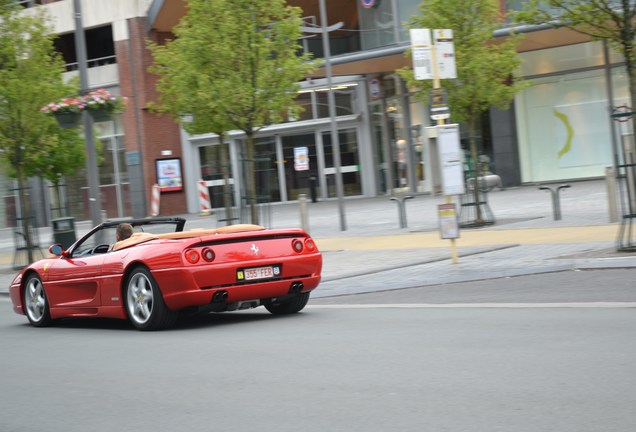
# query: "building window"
[[304, 101], [315, 101], [343, 100], [377, 25], [30, 3], [100, 48]]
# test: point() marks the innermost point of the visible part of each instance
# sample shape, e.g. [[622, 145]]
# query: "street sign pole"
[[440, 122]]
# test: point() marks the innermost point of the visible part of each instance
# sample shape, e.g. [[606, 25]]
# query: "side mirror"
[[56, 249]]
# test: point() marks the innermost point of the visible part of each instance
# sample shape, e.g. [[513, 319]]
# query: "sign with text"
[[450, 159], [438, 104], [301, 158], [422, 53], [433, 58], [448, 225], [169, 174], [445, 53]]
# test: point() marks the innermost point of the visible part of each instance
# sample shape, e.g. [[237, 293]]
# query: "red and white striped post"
[[156, 196], [204, 198]]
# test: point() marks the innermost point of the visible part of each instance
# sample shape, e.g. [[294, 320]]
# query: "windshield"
[[101, 240]]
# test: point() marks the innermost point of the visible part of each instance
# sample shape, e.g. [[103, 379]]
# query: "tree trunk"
[[474, 154], [25, 212], [630, 59]]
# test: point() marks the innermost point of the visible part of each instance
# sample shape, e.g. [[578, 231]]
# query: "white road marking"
[[5, 299], [477, 305]]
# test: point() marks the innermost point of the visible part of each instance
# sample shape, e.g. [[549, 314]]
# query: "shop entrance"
[[349, 163], [298, 173]]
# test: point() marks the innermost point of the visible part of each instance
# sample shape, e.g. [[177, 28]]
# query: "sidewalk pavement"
[[373, 253]]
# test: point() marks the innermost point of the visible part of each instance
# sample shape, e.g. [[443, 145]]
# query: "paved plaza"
[[374, 253]]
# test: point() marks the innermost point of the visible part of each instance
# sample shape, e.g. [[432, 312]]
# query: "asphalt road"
[[345, 367], [587, 286]]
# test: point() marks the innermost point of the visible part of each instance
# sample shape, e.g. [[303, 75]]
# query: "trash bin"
[[64, 231]]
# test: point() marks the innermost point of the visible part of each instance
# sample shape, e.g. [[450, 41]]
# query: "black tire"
[[145, 307], [36, 304], [289, 306]]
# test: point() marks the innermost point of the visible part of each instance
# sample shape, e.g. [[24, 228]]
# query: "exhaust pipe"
[[296, 287], [219, 297]]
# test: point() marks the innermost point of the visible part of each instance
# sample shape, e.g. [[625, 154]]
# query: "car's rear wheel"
[[35, 302], [144, 303], [288, 306]]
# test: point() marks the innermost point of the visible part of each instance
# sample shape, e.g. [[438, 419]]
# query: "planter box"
[[100, 115], [67, 120]]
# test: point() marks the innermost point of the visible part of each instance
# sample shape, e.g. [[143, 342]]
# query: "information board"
[[450, 159]]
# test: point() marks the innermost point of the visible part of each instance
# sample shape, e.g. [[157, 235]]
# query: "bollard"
[[304, 219], [401, 202], [556, 203]]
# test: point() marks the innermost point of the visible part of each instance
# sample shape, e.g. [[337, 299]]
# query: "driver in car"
[[124, 230]]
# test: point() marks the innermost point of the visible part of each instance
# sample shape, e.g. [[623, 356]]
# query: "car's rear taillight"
[[208, 254], [297, 245], [192, 256], [310, 245]]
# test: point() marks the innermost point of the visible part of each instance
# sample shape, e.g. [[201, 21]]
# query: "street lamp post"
[[94, 199], [335, 143]]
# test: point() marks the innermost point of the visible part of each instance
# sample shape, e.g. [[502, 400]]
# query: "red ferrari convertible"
[[162, 270]]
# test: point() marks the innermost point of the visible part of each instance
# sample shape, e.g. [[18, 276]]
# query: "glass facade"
[[575, 139], [278, 176], [382, 25], [378, 25]]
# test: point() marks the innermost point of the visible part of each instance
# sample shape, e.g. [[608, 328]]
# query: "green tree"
[[602, 20], [234, 65], [485, 69], [30, 77]]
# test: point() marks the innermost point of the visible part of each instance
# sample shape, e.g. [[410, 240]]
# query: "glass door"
[[349, 162], [380, 148], [216, 170], [300, 165], [267, 182]]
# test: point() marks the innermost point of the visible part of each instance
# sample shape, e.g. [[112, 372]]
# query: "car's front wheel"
[[288, 306], [35, 302], [144, 303]]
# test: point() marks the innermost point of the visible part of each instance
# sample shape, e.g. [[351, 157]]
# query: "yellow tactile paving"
[[468, 238], [473, 237]]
